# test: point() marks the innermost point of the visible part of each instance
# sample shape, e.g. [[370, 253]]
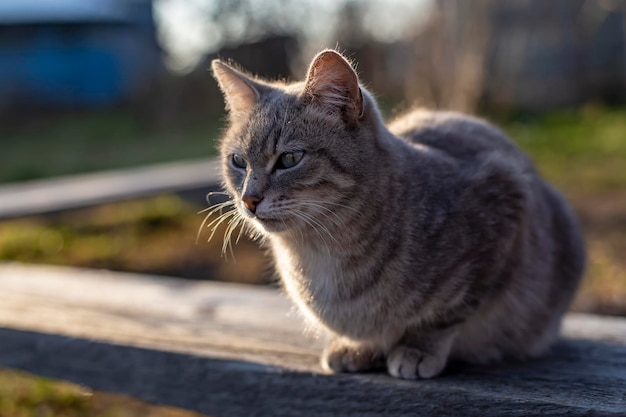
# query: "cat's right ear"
[[332, 85], [241, 93]]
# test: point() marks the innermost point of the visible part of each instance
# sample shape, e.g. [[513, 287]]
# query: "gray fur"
[[427, 239]]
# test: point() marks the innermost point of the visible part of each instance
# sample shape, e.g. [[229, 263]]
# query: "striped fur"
[[427, 239]]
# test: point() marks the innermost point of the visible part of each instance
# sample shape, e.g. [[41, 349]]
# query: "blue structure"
[[69, 53]]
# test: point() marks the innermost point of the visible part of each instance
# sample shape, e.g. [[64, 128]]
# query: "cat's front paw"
[[339, 357], [411, 363]]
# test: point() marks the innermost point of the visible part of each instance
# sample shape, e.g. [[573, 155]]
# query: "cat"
[[428, 239]]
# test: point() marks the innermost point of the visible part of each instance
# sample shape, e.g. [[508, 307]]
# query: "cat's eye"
[[289, 159], [239, 161]]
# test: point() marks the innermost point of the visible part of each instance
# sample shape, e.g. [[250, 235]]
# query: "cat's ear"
[[241, 93], [332, 84]]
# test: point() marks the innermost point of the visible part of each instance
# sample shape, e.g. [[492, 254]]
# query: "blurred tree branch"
[[450, 55]]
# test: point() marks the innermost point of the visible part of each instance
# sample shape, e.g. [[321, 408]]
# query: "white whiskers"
[[315, 215], [227, 214]]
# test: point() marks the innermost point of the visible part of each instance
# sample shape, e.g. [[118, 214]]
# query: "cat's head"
[[296, 154]]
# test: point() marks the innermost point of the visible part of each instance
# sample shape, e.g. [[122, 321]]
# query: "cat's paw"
[[410, 363], [338, 357]]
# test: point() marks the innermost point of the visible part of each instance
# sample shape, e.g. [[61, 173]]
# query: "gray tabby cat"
[[432, 238]]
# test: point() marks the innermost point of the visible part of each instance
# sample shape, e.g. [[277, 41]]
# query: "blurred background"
[[99, 85]]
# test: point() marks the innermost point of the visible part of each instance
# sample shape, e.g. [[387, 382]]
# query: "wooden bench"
[[235, 350]]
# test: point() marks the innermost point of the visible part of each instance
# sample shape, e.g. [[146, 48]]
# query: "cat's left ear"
[[241, 93], [332, 84]]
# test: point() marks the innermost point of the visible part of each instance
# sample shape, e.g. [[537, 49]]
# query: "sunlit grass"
[[154, 235], [581, 151], [22, 395]]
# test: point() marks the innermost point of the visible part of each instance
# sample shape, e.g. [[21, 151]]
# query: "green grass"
[[19, 397], [582, 152], [22, 395], [93, 141], [154, 235]]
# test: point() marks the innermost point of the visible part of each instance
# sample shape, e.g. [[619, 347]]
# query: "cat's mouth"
[[270, 224], [260, 218], [269, 221], [264, 219]]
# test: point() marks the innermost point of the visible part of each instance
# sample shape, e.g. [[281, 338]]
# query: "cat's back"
[[464, 138], [493, 187]]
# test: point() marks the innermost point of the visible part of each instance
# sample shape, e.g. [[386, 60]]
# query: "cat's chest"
[[314, 281], [307, 274]]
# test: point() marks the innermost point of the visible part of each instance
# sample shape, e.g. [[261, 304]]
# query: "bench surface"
[[236, 350]]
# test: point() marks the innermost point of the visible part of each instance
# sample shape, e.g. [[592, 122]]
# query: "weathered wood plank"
[[233, 350], [75, 191]]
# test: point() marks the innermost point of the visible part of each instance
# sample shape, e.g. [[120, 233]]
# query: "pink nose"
[[250, 201]]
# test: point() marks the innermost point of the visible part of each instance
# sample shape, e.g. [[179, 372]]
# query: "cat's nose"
[[251, 201]]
